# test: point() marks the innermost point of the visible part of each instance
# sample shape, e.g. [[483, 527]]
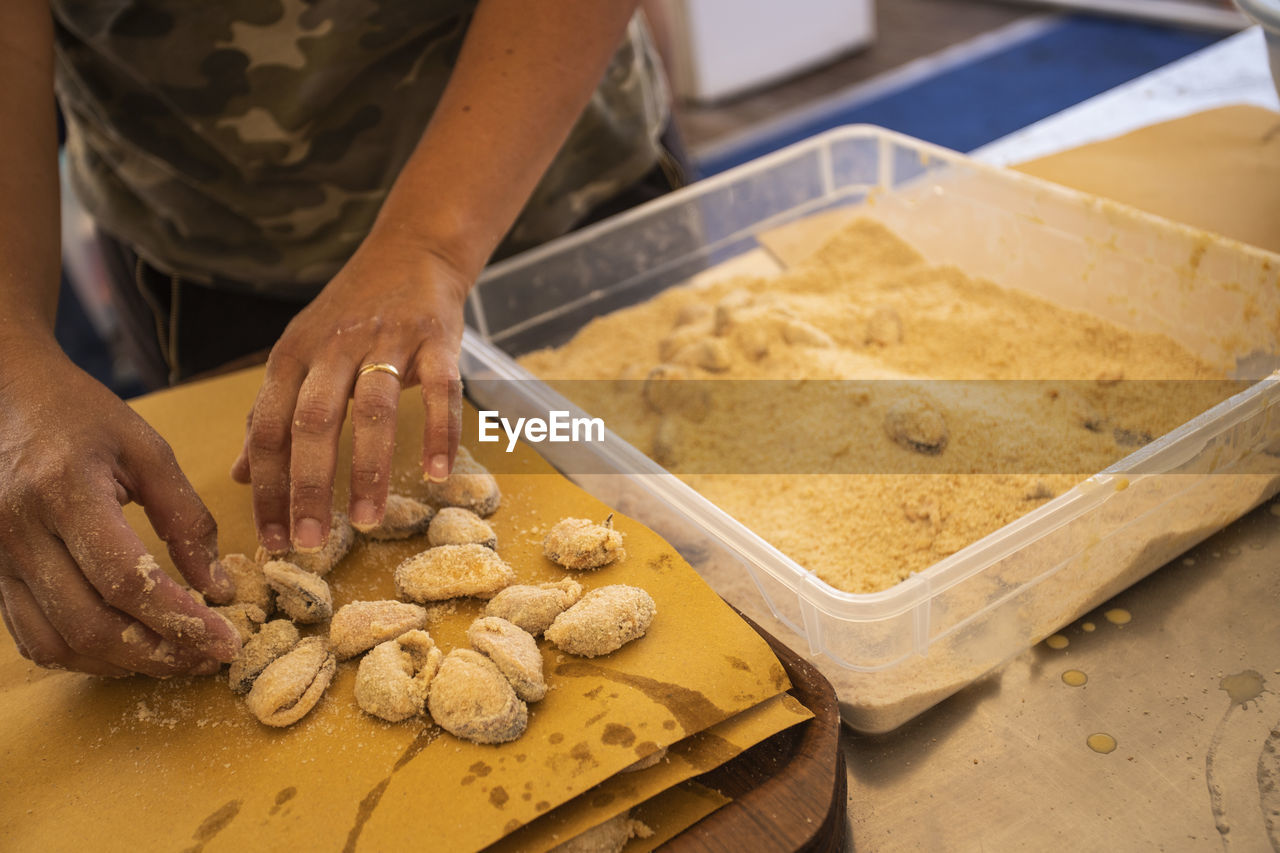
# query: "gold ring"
[[378, 367]]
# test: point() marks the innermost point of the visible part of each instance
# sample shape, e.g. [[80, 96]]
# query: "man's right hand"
[[78, 589]]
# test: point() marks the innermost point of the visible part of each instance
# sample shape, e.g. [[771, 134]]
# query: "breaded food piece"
[[534, 607], [245, 618], [672, 389], [514, 651], [578, 543], [394, 679], [470, 486], [274, 639], [451, 571], [403, 517], [471, 699], [454, 525], [608, 837], [361, 625], [303, 596], [293, 684], [605, 620], [322, 560], [646, 762], [917, 424], [251, 583]]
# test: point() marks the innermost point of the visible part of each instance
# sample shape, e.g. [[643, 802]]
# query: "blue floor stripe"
[[1002, 92]]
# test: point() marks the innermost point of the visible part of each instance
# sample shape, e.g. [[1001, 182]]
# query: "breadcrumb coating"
[[605, 620]]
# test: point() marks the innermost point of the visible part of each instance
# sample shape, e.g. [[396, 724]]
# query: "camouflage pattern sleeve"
[[254, 140]]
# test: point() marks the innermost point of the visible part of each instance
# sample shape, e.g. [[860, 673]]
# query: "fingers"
[[442, 399], [373, 424], [240, 470], [269, 448], [317, 426], [65, 624], [122, 576], [38, 641], [8, 626], [178, 517]]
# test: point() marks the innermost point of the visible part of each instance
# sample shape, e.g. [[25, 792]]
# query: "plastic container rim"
[[905, 596]]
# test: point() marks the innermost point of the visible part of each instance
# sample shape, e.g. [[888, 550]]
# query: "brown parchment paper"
[[698, 753], [140, 764], [672, 812], [1218, 170]]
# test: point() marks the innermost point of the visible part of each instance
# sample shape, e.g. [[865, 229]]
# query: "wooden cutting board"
[[790, 791]]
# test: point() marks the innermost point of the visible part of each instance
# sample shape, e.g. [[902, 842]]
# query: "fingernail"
[[364, 513], [275, 538], [224, 586], [308, 535], [438, 468]]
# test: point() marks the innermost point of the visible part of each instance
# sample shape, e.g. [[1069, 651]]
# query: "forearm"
[[29, 237], [525, 73]]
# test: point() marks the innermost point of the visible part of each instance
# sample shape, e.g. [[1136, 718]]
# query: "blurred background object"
[[1267, 13], [752, 76]]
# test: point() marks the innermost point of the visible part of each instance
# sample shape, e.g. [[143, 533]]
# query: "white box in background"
[[721, 48]]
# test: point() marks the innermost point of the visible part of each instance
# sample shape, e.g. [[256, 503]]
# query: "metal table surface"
[[1187, 688]]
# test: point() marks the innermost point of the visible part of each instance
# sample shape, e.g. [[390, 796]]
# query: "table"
[[1189, 688]]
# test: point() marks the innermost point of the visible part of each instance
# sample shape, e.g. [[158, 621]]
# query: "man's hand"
[[77, 588], [393, 304], [521, 81]]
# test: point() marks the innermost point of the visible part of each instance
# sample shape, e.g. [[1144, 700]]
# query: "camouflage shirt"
[[254, 140]]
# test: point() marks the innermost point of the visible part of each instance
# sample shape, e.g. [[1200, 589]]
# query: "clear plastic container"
[[892, 654]]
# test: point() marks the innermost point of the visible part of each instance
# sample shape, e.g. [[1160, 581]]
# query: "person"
[[329, 175]]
